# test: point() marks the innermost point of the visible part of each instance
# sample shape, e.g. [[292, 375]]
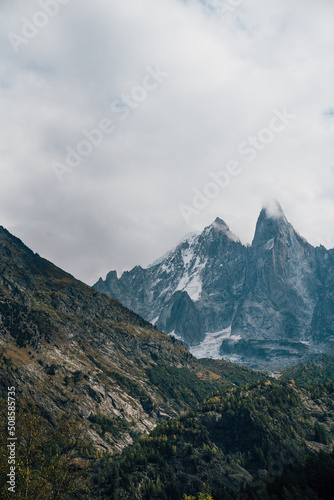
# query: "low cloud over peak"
[[150, 105]]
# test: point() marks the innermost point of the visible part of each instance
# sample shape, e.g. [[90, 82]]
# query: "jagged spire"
[[273, 210], [271, 220], [219, 222]]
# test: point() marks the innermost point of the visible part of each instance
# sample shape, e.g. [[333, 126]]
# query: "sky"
[[125, 125]]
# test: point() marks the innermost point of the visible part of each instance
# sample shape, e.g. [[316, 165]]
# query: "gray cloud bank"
[[225, 69]]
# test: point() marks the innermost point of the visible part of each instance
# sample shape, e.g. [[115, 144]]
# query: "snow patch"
[[233, 358], [173, 334], [210, 346], [270, 244], [166, 267], [194, 288], [190, 238], [191, 282], [187, 256], [192, 285]]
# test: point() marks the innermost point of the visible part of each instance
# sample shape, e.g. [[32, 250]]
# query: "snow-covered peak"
[[188, 238], [191, 239], [161, 259], [270, 294]]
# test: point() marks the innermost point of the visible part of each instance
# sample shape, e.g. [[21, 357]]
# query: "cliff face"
[[282, 288], [194, 289], [272, 303], [322, 327]]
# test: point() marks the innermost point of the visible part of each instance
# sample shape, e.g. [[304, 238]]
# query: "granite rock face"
[[194, 289], [274, 299], [322, 327]]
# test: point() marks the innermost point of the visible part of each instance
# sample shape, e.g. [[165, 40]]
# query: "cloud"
[[273, 209], [227, 71]]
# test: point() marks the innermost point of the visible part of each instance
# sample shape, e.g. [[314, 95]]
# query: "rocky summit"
[[267, 305]]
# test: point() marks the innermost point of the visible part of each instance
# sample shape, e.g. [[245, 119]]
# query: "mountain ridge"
[[71, 350], [275, 295]]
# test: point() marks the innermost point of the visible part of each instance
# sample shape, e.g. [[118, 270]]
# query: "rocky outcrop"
[[194, 289]]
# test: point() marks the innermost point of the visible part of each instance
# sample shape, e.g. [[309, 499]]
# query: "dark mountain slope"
[[70, 349], [244, 435], [319, 370]]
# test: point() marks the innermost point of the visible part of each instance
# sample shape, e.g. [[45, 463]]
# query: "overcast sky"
[[207, 108]]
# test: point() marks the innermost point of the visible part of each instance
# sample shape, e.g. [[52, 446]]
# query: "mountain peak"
[[271, 222], [220, 226], [273, 210], [219, 222], [272, 215]]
